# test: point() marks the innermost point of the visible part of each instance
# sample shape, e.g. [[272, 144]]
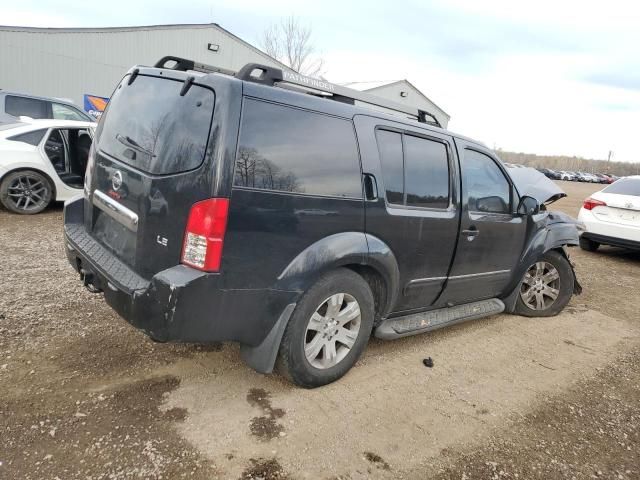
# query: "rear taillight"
[[204, 236], [591, 203]]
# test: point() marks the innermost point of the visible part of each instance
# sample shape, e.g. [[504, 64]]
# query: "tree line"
[[559, 162]]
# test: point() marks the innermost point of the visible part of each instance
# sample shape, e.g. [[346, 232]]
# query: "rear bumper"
[[613, 241], [177, 304], [609, 233]]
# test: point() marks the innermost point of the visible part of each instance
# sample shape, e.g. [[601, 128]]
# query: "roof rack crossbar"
[[263, 74]]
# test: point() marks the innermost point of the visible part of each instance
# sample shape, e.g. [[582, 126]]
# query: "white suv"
[[612, 216]]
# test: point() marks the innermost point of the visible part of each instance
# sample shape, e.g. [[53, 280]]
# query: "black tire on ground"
[[38, 186], [565, 287], [292, 361], [588, 245]]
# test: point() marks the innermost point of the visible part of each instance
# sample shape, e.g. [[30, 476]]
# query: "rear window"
[[625, 186], [293, 150], [149, 126]]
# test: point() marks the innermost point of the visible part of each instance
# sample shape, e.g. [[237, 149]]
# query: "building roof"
[[371, 86], [176, 26]]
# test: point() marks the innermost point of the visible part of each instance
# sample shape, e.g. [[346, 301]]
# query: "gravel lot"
[[84, 395]]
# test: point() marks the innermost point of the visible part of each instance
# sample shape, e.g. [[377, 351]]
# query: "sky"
[[545, 76]]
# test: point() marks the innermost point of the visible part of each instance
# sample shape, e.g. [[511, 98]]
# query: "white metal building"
[[402, 91], [72, 63]]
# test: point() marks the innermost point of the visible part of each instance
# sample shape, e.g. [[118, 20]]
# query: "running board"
[[416, 323]]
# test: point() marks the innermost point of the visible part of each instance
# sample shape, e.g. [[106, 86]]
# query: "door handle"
[[471, 233], [370, 187]]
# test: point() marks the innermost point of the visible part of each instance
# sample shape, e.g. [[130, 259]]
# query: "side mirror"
[[528, 206]]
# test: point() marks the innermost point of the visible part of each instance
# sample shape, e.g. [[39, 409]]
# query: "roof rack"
[[265, 75]]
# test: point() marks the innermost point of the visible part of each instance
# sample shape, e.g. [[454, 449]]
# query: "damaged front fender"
[[546, 231]]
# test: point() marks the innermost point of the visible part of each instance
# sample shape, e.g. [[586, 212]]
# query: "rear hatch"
[[148, 168]]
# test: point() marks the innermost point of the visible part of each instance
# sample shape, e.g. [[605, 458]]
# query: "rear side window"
[[292, 150], [427, 173], [415, 170], [486, 187], [32, 138], [625, 186], [390, 146], [149, 126], [29, 107]]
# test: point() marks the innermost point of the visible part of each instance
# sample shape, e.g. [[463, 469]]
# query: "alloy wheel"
[[27, 192], [332, 331], [540, 286]]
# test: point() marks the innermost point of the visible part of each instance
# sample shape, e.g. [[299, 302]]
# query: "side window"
[[55, 149], [486, 187], [32, 138], [62, 112], [426, 173], [292, 150], [29, 107], [415, 170], [390, 146]]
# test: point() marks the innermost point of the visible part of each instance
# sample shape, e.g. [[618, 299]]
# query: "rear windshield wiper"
[[131, 143]]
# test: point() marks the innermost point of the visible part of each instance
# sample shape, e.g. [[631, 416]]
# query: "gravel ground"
[[84, 395]]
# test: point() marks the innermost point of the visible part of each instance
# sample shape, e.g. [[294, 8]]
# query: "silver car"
[[14, 105]]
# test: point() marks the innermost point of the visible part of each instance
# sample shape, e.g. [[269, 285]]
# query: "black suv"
[[231, 208]]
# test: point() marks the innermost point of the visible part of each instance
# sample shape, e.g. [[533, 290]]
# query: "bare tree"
[[290, 43]]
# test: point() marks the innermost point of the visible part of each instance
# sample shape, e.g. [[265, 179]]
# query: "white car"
[[42, 161], [612, 216]]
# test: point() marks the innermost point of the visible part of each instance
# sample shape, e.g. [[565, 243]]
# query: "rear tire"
[[328, 330], [25, 192], [546, 287], [588, 245]]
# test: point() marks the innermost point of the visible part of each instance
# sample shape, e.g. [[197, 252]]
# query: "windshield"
[[625, 186], [149, 126]]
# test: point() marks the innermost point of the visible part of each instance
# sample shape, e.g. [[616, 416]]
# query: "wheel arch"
[[555, 236], [365, 254]]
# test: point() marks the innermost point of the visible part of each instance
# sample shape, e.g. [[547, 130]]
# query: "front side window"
[[28, 107], [292, 150], [62, 112], [486, 187]]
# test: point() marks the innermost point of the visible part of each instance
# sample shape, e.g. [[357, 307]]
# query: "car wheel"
[[25, 192], [588, 245], [547, 286], [328, 330]]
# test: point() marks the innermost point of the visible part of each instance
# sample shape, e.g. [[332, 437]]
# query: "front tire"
[[588, 245], [546, 287], [328, 330], [26, 192]]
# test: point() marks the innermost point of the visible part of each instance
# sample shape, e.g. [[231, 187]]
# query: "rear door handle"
[[471, 233]]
